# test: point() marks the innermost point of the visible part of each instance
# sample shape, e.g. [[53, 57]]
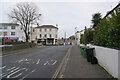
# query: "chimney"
[[57, 25]]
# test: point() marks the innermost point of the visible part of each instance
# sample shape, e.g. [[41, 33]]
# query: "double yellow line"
[[61, 64]]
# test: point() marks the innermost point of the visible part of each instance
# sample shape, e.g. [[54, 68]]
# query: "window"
[[40, 35], [45, 35], [56, 30], [50, 29], [0, 33], [45, 29], [5, 27], [50, 35], [40, 30], [12, 27], [4, 33], [0, 27], [12, 33]]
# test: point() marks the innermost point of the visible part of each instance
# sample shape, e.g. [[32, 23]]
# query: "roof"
[[9, 24], [47, 26]]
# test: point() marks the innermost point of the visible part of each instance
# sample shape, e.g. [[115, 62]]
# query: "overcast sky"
[[67, 14]]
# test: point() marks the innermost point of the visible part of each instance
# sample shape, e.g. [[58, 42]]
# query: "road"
[[38, 63]]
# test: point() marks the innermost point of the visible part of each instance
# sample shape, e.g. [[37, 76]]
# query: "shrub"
[[107, 32], [87, 37]]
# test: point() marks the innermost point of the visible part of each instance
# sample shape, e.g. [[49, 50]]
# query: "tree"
[[25, 14], [107, 32], [87, 37], [96, 19]]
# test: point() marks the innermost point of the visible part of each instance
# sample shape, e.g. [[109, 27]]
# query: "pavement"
[[76, 66]]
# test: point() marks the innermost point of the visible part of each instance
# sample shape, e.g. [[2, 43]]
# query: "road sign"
[[4, 34]]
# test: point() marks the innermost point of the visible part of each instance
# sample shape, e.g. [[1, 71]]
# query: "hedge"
[[107, 32]]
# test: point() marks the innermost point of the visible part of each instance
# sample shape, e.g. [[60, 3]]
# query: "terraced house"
[[45, 35]]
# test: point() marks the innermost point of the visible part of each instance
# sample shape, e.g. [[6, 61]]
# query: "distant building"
[[12, 31], [72, 40], [67, 41], [45, 34], [78, 35]]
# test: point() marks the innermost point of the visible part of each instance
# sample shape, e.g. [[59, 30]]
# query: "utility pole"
[[65, 39], [75, 35]]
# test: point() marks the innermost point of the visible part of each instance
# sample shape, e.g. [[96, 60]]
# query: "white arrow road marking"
[[38, 61], [9, 76]]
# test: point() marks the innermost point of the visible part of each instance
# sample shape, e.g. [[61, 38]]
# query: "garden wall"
[[108, 58], [18, 46]]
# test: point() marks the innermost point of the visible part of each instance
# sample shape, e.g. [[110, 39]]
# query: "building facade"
[[78, 35], [11, 31], [45, 35]]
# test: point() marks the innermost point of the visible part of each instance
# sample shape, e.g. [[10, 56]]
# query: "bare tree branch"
[[25, 14]]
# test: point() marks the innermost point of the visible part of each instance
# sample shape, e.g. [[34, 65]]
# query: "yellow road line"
[[60, 66], [61, 76]]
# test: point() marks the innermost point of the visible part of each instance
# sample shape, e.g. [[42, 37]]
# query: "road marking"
[[61, 64], [61, 76], [12, 74], [14, 69], [46, 63], [54, 62], [3, 75], [3, 67], [18, 75], [50, 62], [28, 74], [9, 76], [38, 61], [10, 68]]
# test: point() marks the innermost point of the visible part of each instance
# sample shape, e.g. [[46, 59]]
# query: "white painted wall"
[[18, 32], [108, 59]]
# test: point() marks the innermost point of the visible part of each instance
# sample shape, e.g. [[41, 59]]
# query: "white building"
[[45, 34], [78, 35], [12, 31]]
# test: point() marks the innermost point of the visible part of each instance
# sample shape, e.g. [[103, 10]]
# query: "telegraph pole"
[[75, 35], [65, 39]]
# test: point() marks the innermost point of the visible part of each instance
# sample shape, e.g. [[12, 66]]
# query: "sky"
[[68, 14]]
